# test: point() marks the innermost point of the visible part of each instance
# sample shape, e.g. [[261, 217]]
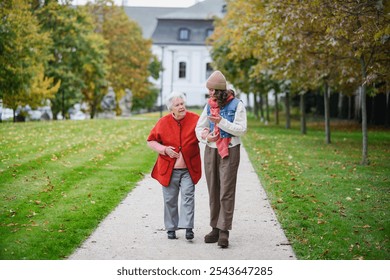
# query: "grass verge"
[[329, 205], [58, 180]]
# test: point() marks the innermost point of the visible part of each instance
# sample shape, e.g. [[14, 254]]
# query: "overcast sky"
[[151, 3]]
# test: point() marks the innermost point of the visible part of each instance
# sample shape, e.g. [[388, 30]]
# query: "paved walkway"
[[135, 229]]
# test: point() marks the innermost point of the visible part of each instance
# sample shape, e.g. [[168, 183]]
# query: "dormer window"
[[184, 34]]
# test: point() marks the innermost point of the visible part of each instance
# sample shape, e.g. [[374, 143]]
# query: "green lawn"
[[329, 205], [59, 179]]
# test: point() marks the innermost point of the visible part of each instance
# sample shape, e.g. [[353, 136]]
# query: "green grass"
[[329, 205], [58, 180]]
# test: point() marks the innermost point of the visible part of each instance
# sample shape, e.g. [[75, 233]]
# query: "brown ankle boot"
[[223, 240], [212, 236]]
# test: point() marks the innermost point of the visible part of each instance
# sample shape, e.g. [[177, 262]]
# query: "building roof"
[[205, 10], [146, 17], [196, 21]]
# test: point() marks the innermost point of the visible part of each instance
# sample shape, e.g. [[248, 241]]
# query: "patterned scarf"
[[222, 143]]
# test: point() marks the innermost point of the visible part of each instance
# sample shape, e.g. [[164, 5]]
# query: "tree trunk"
[[340, 106], [276, 109], [364, 114], [303, 113], [261, 105], [387, 107], [93, 109], [358, 105], [248, 101], [63, 105], [256, 106], [327, 113], [288, 114], [267, 108]]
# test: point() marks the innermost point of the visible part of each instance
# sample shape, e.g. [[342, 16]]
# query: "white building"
[[179, 41]]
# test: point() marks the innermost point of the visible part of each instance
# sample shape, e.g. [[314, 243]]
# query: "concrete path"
[[135, 229]]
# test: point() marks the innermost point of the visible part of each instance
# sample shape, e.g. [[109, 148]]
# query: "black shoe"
[[171, 234], [189, 234], [212, 236], [223, 240]]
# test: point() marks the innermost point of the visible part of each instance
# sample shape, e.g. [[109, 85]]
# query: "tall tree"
[[94, 73], [359, 32], [23, 52], [129, 55], [312, 42], [70, 31]]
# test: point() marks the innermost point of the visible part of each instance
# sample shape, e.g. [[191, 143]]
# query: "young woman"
[[220, 126]]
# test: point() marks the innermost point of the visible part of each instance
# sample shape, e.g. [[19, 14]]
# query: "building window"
[[209, 31], [184, 34], [182, 69], [209, 70]]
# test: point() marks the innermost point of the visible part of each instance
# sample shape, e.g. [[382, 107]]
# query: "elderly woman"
[[178, 165]]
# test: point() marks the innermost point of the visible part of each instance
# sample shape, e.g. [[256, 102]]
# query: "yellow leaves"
[[98, 158], [363, 227], [129, 53], [44, 87], [12, 212]]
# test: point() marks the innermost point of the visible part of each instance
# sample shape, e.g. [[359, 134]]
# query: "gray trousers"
[[221, 177], [181, 183]]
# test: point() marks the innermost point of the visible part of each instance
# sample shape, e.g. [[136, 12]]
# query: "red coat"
[[181, 135]]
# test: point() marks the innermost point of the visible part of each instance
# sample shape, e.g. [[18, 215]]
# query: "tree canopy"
[[52, 50], [129, 54], [342, 44], [24, 51]]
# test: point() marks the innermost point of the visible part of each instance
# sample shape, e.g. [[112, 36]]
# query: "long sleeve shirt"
[[236, 128]]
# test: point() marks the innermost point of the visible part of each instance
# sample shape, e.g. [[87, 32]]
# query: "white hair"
[[173, 95]]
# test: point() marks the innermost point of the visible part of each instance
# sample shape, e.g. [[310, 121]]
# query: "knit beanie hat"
[[216, 81]]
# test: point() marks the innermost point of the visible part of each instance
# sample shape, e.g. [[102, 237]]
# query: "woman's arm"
[[239, 125]]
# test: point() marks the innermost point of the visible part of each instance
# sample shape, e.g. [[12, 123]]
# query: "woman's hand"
[[215, 119], [212, 137], [204, 133], [169, 151]]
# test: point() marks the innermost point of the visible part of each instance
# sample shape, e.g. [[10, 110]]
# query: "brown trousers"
[[221, 177]]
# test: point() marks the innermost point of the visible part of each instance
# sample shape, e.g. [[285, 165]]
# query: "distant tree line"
[[50, 50]]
